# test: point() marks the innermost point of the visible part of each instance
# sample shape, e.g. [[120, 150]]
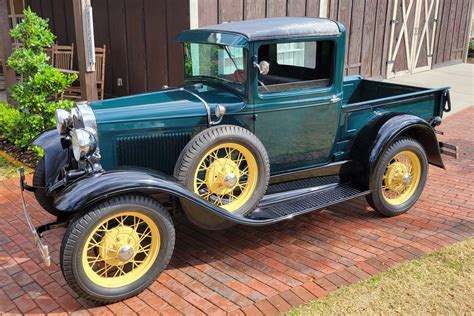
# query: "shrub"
[[9, 118], [41, 83]]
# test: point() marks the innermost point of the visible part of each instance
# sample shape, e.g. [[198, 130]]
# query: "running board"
[[280, 206]]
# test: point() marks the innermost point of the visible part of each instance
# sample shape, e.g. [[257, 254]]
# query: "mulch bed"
[[26, 157]]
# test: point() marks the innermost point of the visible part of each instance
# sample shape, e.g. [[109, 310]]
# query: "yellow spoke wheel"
[[121, 249], [226, 176], [117, 248], [227, 166], [398, 178], [401, 177]]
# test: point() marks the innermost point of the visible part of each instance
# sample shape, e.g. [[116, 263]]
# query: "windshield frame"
[[239, 87]]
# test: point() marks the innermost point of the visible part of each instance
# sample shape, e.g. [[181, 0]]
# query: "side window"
[[296, 66]]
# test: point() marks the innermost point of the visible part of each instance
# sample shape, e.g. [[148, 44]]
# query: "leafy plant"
[[36, 94], [9, 118]]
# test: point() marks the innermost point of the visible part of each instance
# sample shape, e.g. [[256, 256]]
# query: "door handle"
[[335, 99]]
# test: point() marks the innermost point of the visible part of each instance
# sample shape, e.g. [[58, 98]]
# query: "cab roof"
[[242, 32]]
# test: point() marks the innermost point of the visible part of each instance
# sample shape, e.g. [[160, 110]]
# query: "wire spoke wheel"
[[121, 249], [226, 176], [227, 166], [398, 178], [401, 177], [117, 248]]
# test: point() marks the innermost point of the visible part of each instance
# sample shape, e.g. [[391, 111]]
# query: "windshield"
[[215, 62]]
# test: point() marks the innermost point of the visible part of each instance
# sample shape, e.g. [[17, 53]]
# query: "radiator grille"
[[158, 152]]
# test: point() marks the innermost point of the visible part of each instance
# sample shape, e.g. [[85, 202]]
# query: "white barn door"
[[424, 36], [412, 35]]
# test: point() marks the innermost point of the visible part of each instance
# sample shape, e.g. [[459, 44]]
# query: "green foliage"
[[471, 45], [9, 119], [36, 94], [33, 32]]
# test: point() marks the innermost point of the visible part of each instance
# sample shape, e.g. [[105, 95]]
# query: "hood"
[[169, 103]]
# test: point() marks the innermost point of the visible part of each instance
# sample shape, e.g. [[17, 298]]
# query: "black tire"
[[377, 199], [195, 151], [39, 180], [77, 236]]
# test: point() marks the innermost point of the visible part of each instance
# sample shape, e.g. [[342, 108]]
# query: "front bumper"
[[43, 249]]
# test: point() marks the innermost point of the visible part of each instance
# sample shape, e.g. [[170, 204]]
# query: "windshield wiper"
[[227, 50]]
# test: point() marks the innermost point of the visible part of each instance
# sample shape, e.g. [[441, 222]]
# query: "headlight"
[[83, 142], [83, 116], [63, 121]]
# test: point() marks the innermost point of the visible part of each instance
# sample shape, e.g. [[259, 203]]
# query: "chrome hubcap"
[[407, 179], [125, 253], [230, 180]]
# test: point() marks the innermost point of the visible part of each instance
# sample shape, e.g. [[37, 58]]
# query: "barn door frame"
[[426, 33], [414, 41], [402, 35]]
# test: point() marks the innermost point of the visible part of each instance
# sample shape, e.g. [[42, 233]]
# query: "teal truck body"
[[265, 128]]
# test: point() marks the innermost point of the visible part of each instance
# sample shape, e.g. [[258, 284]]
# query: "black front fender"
[[91, 190], [55, 156]]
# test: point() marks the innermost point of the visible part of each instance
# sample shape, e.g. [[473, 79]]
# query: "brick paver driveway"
[[257, 270]]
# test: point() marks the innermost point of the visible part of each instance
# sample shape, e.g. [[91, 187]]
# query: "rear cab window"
[[296, 66]]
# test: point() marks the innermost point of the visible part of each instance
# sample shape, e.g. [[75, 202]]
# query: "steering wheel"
[[263, 85]]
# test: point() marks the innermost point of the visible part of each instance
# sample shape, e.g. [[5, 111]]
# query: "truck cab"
[[282, 65]]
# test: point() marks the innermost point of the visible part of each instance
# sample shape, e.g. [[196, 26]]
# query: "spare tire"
[[227, 166]]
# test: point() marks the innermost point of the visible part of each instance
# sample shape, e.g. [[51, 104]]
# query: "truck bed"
[[364, 99]]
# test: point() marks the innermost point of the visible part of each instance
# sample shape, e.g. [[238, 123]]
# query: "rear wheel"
[[398, 178], [117, 249], [227, 166], [39, 181]]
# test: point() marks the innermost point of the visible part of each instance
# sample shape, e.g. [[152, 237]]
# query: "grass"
[[9, 166], [7, 170], [438, 283]]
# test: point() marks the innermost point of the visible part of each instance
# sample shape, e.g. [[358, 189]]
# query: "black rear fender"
[[55, 156], [377, 135], [88, 191]]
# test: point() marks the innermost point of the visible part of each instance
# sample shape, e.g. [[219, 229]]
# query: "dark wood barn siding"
[[365, 21], [139, 35], [453, 32], [367, 24], [218, 11]]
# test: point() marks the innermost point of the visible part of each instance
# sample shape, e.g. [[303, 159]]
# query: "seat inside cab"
[[296, 66]]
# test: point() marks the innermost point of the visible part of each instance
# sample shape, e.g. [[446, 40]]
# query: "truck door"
[[297, 103]]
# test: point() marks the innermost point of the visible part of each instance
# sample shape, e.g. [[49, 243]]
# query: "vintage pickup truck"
[[264, 128]]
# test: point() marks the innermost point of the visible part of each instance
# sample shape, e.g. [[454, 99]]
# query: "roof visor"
[[241, 33], [213, 37]]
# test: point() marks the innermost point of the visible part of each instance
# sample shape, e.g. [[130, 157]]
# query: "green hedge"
[[36, 94]]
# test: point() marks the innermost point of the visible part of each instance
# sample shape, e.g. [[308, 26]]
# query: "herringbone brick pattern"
[[253, 271]]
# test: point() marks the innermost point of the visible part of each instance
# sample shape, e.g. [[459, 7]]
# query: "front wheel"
[[117, 249], [227, 166], [398, 178]]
